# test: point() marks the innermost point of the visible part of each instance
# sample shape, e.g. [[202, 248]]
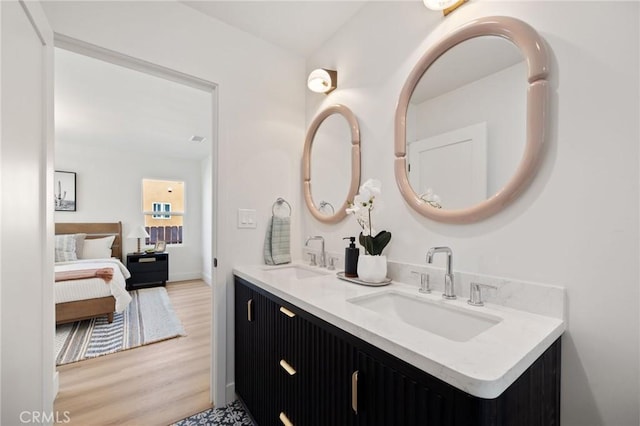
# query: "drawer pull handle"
[[354, 391], [287, 312], [285, 420], [250, 310], [287, 367]]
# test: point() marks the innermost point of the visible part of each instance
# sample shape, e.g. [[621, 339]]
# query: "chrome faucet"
[[323, 260], [448, 276]]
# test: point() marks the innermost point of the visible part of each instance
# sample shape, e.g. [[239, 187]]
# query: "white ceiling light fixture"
[[196, 138], [446, 6], [322, 80]]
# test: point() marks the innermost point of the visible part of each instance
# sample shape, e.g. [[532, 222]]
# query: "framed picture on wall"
[[160, 246], [64, 191]]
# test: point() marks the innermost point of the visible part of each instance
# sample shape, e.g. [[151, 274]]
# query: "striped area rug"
[[149, 318]]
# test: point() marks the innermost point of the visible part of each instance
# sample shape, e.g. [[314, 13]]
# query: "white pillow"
[[97, 248], [65, 248], [80, 243]]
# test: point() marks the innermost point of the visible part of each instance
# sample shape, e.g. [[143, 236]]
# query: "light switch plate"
[[246, 218]]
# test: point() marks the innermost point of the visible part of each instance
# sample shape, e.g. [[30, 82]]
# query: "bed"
[[78, 299]]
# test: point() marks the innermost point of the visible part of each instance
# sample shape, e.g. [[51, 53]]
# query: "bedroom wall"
[[575, 226], [261, 126], [109, 189]]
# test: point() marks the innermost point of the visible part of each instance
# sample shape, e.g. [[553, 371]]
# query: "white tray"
[[386, 281]]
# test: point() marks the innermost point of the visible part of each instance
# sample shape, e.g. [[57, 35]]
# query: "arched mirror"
[[471, 120], [331, 163]]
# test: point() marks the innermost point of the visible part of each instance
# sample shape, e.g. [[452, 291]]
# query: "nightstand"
[[147, 270]]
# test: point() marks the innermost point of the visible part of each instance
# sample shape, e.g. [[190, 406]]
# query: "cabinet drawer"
[[291, 333], [147, 266], [134, 259], [147, 277]]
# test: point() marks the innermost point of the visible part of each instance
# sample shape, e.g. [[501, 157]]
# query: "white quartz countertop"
[[484, 366]]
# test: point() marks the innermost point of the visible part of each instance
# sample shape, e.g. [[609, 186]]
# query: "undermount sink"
[[451, 322], [294, 272]]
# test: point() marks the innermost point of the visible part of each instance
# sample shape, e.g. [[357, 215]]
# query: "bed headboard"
[[96, 230]]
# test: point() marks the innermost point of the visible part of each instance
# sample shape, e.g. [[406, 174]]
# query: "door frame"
[[217, 388], [41, 392]]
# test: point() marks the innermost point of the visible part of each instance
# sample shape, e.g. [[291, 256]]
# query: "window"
[[164, 209], [161, 207]]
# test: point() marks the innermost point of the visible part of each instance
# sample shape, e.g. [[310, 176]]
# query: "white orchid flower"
[[362, 201], [352, 209], [371, 187]]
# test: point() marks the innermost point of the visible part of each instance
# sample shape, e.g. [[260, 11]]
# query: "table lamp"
[[138, 232]]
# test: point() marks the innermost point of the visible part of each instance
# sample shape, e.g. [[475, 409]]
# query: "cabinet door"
[[388, 396], [254, 354], [332, 360]]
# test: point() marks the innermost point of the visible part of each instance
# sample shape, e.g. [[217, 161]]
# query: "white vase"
[[372, 269]]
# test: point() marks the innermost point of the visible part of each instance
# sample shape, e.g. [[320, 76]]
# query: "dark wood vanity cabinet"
[[387, 395], [254, 346], [294, 367]]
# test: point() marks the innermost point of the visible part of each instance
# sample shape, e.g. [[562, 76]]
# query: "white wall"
[[575, 226], [109, 189], [499, 100], [261, 117]]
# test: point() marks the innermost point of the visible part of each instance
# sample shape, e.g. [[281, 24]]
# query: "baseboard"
[[185, 276], [207, 279], [231, 392]]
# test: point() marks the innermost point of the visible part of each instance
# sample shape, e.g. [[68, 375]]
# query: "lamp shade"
[[439, 4], [138, 232], [322, 80]]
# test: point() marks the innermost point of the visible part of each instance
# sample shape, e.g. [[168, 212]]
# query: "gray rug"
[[149, 318]]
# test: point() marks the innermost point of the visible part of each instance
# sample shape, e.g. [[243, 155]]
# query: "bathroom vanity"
[[311, 350]]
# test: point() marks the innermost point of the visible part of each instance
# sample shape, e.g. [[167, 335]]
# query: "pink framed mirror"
[[458, 159], [331, 157]]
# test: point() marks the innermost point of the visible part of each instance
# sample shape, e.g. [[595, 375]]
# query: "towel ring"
[[324, 204], [279, 202]]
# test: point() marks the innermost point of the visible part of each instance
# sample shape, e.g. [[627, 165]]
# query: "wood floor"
[[156, 384]]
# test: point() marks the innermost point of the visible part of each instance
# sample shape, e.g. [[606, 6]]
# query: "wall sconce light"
[[322, 80], [446, 6]]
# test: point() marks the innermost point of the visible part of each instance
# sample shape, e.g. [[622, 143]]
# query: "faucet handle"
[[312, 259], [332, 265], [425, 285], [475, 293]]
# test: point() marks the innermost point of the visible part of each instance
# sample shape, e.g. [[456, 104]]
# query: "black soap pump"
[[351, 254]]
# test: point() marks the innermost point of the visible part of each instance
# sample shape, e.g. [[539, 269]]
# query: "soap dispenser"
[[351, 254]]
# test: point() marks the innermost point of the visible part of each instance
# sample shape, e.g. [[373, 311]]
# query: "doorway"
[[136, 155]]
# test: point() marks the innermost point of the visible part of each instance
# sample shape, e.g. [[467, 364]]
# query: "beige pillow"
[[97, 248], [65, 248]]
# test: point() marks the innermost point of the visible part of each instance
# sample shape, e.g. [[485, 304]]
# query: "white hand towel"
[[280, 247], [277, 249]]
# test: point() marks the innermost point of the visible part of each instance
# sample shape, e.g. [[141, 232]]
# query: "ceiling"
[[105, 105], [465, 63], [298, 26]]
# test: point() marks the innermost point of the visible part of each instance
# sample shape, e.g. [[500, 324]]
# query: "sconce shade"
[[447, 6], [438, 4], [322, 80]]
